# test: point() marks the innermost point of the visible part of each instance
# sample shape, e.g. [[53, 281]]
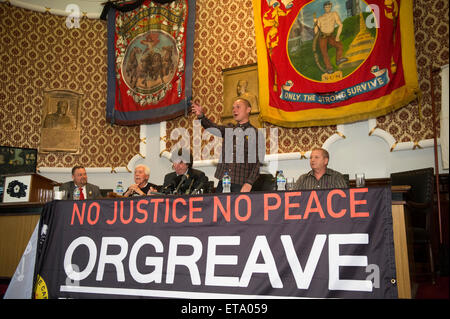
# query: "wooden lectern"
[[24, 196], [27, 188]]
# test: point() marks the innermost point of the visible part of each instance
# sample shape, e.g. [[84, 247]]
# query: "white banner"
[[21, 285]]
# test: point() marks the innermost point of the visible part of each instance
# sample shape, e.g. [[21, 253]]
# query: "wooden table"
[[403, 256]]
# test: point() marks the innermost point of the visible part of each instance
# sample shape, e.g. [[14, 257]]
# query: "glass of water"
[[360, 180], [290, 185]]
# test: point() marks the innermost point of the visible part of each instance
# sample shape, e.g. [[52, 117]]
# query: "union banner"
[[150, 54], [331, 62]]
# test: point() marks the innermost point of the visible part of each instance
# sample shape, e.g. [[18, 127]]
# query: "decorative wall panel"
[[38, 52]]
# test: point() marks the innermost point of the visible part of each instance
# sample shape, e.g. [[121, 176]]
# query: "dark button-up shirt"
[[331, 179], [241, 161]]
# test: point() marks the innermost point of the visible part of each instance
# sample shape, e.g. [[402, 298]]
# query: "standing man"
[[79, 180], [239, 147], [320, 176], [325, 25]]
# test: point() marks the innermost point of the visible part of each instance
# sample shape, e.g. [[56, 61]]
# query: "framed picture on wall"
[[61, 114], [241, 82]]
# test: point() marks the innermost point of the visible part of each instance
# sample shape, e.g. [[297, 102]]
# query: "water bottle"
[[281, 181], [76, 193], [119, 188], [226, 183]]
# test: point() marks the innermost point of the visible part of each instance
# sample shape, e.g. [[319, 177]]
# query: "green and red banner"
[[318, 244], [326, 62]]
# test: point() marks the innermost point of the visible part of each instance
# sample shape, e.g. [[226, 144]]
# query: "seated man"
[[320, 176], [141, 185], [79, 180], [184, 179]]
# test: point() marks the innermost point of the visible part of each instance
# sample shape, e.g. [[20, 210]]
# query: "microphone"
[[199, 186], [183, 178], [167, 189], [190, 186]]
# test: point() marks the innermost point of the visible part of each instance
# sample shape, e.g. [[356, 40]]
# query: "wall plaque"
[[241, 82], [61, 121]]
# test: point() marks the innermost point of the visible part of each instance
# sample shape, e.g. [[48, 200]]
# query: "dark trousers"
[[235, 188]]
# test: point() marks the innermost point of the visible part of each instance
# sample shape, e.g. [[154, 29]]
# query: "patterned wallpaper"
[[38, 52], [413, 122]]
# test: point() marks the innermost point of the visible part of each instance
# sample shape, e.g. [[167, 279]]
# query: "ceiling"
[[88, 8]]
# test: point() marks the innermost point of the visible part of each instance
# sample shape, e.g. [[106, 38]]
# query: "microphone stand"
[[167, 190], [198, 188], [180, 183], [190, 186]]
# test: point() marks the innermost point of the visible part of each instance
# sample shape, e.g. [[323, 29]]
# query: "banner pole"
[[436, 163]]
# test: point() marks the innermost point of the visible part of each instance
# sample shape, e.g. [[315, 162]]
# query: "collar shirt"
[[331, 179], [83, 188], [239, 151]]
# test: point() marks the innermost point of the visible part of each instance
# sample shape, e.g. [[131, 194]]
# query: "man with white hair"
[[141, 185]]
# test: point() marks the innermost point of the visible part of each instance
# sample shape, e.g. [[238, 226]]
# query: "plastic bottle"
[[76, 193], [226, 183], [119, 188], [281, 181]]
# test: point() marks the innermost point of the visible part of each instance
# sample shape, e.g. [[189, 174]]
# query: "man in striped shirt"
[[320, 176]]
